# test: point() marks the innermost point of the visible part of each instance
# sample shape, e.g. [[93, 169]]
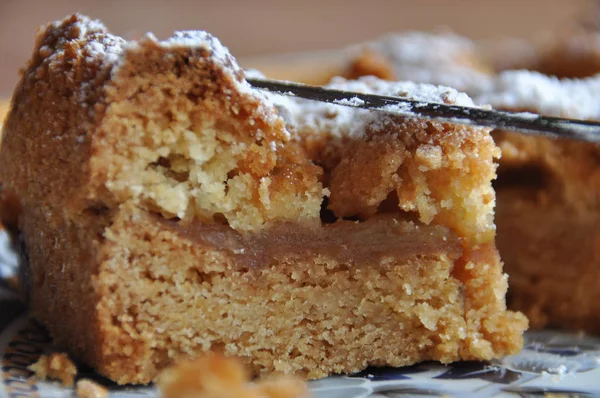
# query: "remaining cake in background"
[[436, 58], [548, 208], [548, 211], [167, 210]]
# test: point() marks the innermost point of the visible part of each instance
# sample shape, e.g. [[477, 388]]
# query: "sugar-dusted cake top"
[[548, 95], [562, 79], [74, 37], [341, 121], [79, 36]]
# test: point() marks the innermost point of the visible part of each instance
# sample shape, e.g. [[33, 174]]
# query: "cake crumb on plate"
[[86, 388], [214, 375], [56, 366]]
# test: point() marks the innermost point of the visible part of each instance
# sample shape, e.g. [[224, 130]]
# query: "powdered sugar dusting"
[[401, 108], [346, 121], [411, 90], [461, 78], [354, 101], [422, 48], [89, 43], [201, 39], [442, 59], [221, 56], [548, 95], [454, 61], [105, 54], [196, 39], [96, 44], [109, 49]]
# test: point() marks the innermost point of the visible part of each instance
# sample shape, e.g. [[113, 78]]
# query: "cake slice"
[[167, 209]]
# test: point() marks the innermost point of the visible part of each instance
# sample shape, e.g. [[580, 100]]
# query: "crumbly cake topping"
[[207, 147], [218, 54], [548, 95], [78, 39], [90, 38], [171, 126], [369, 157], [85, 36], [86, 388]]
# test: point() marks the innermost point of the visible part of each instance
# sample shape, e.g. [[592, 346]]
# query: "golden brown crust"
[[219, 135], [61, 67]]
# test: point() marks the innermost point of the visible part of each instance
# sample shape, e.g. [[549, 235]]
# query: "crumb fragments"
[[56, 366], [86, 388], [215, 376]]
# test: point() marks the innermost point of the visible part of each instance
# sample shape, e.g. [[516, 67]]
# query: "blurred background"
[[257, 29]]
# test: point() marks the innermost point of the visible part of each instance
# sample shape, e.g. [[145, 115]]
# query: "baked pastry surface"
[[168, 209]]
